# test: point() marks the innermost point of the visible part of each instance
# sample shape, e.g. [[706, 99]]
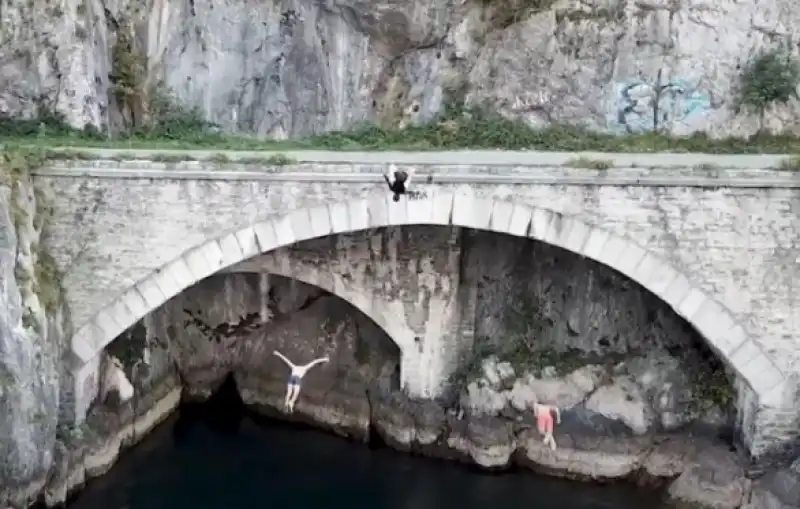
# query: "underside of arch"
[[725, 335]]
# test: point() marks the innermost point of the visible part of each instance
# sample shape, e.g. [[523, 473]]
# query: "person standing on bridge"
[[399, 181], [295, 377], [544, 422]]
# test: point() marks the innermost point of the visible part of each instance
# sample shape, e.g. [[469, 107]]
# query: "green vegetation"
[[520, 347], [770, 78], [712, 387], [790, 164], [504, 13], [589, 164], [456, 128]]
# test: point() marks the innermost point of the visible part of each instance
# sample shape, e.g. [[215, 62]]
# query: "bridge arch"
[[715, 322]]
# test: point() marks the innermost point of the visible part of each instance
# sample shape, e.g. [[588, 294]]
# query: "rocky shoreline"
[[699, 472]]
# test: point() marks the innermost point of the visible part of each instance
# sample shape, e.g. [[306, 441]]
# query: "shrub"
[[771, 77]]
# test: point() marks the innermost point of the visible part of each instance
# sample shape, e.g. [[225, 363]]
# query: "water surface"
[[216, 458]]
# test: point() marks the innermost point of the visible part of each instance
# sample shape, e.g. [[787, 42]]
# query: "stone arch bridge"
[[719, 246]]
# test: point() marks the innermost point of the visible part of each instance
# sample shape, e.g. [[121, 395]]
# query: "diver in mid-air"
[[399, 181], [295, 377]]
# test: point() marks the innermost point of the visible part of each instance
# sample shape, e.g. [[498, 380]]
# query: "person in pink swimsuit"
[[544, 422]]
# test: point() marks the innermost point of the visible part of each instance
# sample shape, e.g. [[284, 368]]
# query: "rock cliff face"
[[31, 339], [298, 67]]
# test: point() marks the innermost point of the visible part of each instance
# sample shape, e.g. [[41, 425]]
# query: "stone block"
[[301, 225], [134, 301], [212, 252], [761, 373], [520, 220], [595, 242], [420, 211], [151, 293], [181, 273], [83, 342], [265, 235], [284, 234], [576, 236], [397, 211], [198, 264], [340, 218], [612, 251], [470, 212], [378, 210], [676, 291], [660, 278], [358, 212], [248, 242], [166, 283], [442, 209], [320, 221], [630, 259], [540, 224], [646, 267], [502, 211], [691, 304]]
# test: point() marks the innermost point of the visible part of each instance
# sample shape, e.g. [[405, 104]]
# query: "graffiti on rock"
[[660, 106]]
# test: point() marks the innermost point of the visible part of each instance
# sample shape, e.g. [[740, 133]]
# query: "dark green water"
[[214, 457]]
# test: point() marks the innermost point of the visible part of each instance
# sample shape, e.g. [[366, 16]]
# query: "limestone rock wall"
[[296, 67], [32, 326]]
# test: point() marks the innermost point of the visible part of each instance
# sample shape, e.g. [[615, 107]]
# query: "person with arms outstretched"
[[544, 422], [295, 377], [398, 181]]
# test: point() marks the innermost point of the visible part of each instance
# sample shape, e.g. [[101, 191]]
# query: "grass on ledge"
[[454, 129]]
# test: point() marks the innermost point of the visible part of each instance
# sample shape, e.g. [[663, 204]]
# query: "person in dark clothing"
[[398, 181]]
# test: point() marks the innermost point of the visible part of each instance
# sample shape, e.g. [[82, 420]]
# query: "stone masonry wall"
[[406, 279], [738, 244], [734, 243]]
